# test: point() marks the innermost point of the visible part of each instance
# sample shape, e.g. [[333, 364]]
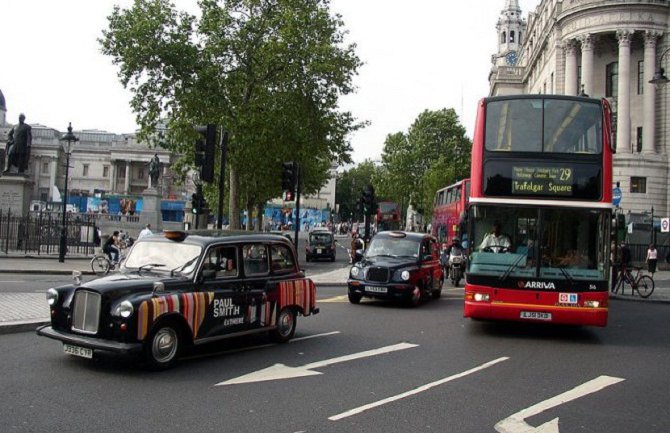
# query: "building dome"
[[3, 106]]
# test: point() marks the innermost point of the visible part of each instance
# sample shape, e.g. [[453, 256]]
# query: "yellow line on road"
[[341, 298]]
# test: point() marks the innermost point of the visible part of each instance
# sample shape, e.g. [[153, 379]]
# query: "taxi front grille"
[[378, 275], [86, 312]]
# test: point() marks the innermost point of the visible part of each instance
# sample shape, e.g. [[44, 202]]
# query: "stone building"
[[101, 163], [605, 49]]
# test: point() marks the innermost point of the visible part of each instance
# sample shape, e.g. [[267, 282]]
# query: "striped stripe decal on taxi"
[[192, 306], [298, 292]]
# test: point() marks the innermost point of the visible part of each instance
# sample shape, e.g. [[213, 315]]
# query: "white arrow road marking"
[[516, 423], [416, 390], [309, 337], [281, 371]]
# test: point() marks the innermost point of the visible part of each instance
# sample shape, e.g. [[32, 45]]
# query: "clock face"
[[511, 58]]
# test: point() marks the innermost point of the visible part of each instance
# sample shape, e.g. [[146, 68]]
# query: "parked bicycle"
[[101, 264], [640, 283]]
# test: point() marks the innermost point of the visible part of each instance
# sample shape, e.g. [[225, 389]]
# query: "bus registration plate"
[[535, 315]]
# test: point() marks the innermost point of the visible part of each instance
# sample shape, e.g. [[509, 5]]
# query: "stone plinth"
[[151, 209], [15, 193]]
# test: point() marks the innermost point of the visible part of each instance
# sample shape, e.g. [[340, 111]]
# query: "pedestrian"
[[652, 257], [146, 231]]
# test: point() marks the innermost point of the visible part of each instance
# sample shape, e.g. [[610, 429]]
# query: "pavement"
[[25, 311]]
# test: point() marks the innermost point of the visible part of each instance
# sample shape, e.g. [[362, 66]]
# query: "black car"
[[321, 244], [398, 265], [176, 290]]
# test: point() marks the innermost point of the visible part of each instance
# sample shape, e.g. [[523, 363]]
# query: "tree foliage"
[[350, 185], [270, 72], [432, 154]]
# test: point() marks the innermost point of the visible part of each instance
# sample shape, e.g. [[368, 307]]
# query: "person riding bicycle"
[[111, 247]]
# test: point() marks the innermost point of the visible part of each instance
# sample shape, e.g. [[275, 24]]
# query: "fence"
[[40, 233]]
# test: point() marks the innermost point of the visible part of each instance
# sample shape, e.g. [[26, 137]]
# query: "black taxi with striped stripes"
[[178, 289]]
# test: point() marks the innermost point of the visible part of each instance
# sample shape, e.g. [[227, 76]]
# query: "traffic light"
[[289, 176], [195, 203], [359, 205], [204, 151], [368, 199]]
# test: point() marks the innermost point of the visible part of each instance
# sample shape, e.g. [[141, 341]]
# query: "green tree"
[[432, 154], [268, 71], [350, 185]]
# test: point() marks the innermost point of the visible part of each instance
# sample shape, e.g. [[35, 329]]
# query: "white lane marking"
[[422, 388], [281, 371], [308, 337], [516, 423]]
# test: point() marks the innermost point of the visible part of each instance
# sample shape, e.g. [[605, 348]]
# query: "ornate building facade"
[[604, 49]]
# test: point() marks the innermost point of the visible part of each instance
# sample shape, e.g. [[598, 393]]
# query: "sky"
[[418, 55]]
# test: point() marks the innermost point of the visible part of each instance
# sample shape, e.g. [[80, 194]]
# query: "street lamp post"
[[68, 139]]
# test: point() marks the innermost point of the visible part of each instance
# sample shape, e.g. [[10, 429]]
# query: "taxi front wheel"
[[162, 347], [286, 323]]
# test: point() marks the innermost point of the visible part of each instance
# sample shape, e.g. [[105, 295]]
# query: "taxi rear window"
[[282, 259]]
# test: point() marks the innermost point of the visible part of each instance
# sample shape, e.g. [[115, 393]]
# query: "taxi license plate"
[[319, 251], [374, 289], [84, 352], [535, 315]]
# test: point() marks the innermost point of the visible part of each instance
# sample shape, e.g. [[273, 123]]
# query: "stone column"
[[113, 178], [126, 185], [570, 47], [649, 125], [623, 101], [53, 166], [588, 41]]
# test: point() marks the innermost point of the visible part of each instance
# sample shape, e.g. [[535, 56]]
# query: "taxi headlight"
[[404, 275], [52, 296], [355, 271], [125, 309]]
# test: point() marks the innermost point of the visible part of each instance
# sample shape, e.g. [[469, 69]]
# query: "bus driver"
[[495, 241]]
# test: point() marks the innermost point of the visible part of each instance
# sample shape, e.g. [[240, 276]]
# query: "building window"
[[638, 185], [140, 173], [85, 170], [612, 79], [640, 77], [105, 171], [579, 79], [44, 194], [45, 168], [638, 143], [551, 83], [503, 38], [511, 36], [519, 38]]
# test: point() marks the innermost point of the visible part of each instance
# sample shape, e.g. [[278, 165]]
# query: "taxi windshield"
[[320, 238], [163, 256], [393, 248]]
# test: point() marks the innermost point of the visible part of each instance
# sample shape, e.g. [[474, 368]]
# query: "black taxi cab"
[[321, 244], [177, 289], [402, 266]]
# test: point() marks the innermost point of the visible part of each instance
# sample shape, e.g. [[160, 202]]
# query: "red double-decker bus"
[[540, 210], [450, 205], [388, 216]]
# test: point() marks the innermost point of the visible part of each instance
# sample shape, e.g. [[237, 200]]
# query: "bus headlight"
[[125, 309], [355, 271], [481, 297], [52, 297]]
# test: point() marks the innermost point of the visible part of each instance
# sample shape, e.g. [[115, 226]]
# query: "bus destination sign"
[[542, 181]]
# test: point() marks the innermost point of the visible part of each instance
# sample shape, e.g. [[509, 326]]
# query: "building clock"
[[511, 58]]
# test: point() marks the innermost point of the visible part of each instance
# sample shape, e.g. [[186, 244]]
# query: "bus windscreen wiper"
[[511, 267]]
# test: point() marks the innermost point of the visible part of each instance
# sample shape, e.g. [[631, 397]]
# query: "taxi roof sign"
[[175, 235]]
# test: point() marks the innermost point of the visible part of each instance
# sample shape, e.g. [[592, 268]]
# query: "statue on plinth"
[[19, 141], [154, 170]]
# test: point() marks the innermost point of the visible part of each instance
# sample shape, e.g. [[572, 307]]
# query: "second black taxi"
[[397, 265]]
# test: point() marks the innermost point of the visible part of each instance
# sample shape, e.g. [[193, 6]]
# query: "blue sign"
[[616, 196]]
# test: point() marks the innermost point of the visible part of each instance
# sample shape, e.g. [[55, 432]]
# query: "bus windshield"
[[544, 125], [552, 243]]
